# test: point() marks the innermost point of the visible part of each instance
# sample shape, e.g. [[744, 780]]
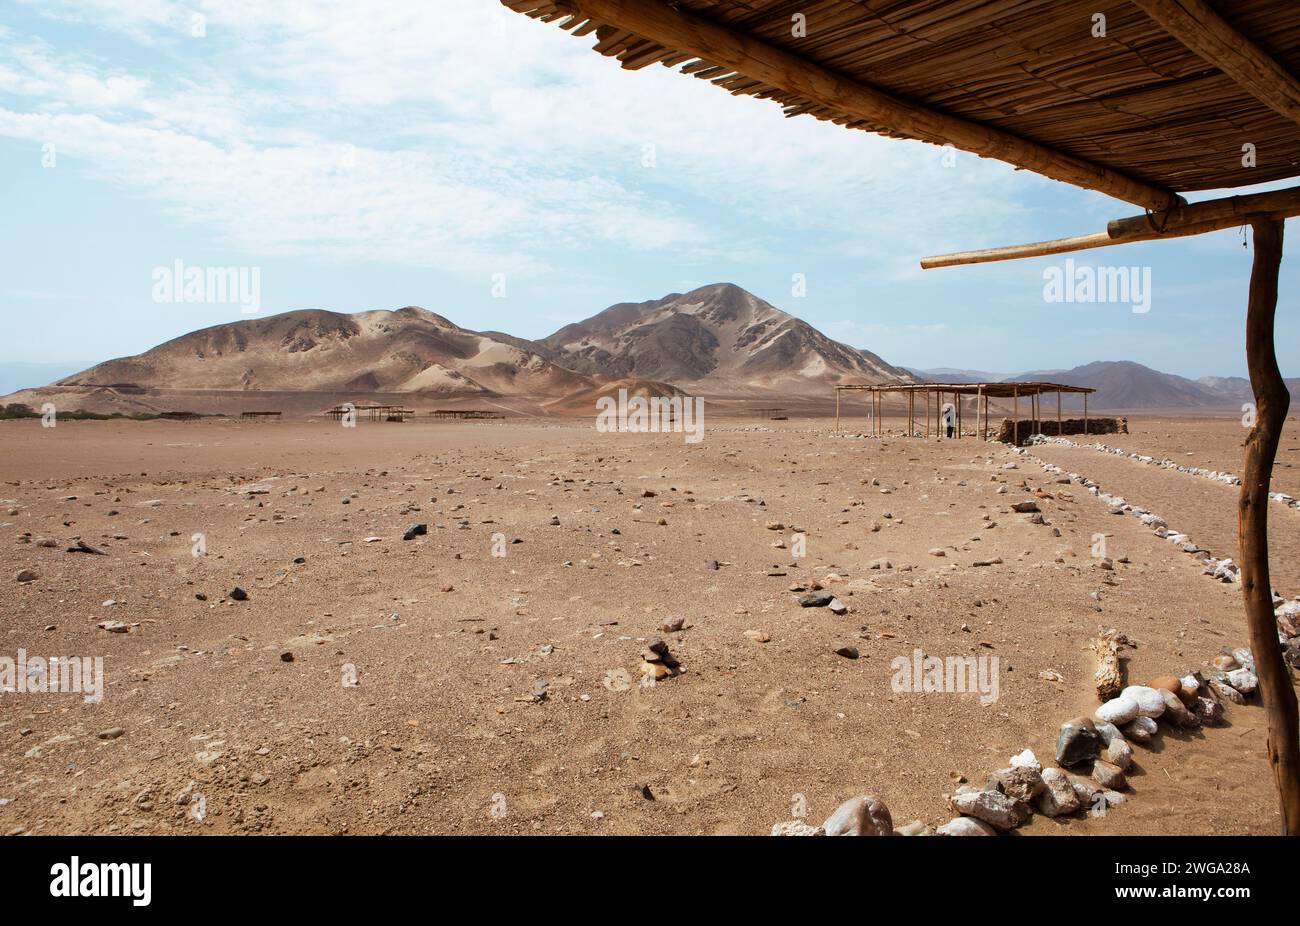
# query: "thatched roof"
[[1138, 104], [1004, 390]]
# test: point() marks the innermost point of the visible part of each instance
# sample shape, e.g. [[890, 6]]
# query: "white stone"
[[1026, 759], [1118, 710], [966, 826], [1150, 703], [1243, 680], [796, 828]]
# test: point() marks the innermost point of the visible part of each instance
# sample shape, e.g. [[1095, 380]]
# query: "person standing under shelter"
[[950, 419]]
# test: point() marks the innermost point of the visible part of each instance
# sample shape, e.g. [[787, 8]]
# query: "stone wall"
[[1006, 431]]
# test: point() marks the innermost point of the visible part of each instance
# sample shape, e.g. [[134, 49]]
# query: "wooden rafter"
[[1193, 219], [759, 60], [1205, 32]]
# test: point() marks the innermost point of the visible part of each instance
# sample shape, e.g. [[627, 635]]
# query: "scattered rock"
[[238, 594], [82, 547], [111, 733], [816, 600], [416, 530], [848, 652], [26, 575]]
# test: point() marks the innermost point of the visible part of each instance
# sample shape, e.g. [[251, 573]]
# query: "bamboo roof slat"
[[1137, 102]]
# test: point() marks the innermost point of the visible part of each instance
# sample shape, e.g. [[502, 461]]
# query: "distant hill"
[[717, 339]]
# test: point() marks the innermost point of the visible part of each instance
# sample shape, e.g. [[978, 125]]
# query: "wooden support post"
[[927, 413], [1015, 416], [1271, 403], [1059, 432], [1085, 414], [957, 398], [911, 404], [837, 410], [986, 418]]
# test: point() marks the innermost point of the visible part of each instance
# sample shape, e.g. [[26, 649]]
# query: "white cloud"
[[482, 142]]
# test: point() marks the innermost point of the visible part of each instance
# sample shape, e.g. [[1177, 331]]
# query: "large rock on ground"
[[1020, 783], [1117, 710], [1149, 701], [1078, 742], [993, 807], [1057, 796], [864, 815]]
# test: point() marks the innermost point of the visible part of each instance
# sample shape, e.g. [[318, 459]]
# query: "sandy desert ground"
[[490, 691]]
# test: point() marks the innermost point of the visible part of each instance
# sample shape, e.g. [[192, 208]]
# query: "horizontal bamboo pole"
[[1194, 219], [718, 45]]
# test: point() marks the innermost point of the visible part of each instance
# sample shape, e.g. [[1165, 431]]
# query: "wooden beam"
[[1192, 219], [718, 45], [1271, 402], [1205, 32]]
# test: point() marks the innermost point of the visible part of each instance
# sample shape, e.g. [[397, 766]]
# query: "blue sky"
[[382, 154]]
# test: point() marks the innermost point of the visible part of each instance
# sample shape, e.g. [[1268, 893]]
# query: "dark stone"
[[815, 600], [82, 547], [1078, 742], [286, 657], [238, 594], [415, 530], [848, 652]]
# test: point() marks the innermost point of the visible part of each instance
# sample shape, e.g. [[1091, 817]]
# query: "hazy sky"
[[381, 154]]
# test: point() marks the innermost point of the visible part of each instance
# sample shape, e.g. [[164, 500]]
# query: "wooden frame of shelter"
[[372, 412], [982, 393], [468, 414], [254, 416], [1170, 96]]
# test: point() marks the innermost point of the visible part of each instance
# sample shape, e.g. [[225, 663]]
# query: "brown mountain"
[[717, 339], [408, 351]]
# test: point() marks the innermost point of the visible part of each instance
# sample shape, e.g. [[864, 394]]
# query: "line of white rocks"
[[1286, 611], [1102, 743], [1214, 474]]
